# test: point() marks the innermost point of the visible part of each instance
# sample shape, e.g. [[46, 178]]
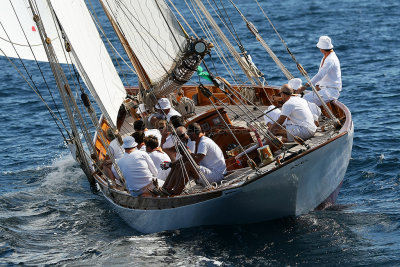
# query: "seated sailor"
[[164, 111], [137, 168], [157, 155], [295, 84], [115, 149], [272, 114], [115, 145], [300, 120], [205, 152]]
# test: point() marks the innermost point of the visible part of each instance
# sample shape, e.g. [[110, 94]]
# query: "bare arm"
[[276, 126]]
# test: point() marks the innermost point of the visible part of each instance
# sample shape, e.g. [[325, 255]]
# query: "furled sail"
[[152, 32], [92, 58], [19, 36]]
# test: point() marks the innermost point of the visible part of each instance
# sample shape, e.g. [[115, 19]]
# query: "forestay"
[[151, 31], [95, 64], [18, 31]]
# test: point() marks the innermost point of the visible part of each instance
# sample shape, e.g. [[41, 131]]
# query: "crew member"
[[328, 80], [164, 111], [206, 154], [137, 168], [300, 120]]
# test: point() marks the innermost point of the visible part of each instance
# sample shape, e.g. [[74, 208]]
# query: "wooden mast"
[[142, 75]]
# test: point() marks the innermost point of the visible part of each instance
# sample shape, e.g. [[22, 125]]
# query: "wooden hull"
[[296, 187]]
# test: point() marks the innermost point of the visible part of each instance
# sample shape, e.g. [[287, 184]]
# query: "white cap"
[[141, 109], [129, 142], [324, 42], [163, 103], [295, 83]]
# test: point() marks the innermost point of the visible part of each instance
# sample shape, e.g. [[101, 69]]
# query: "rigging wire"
[[253, 30], [54, 116], [300, 67], [179, 13], [96, 20], [40, 69]]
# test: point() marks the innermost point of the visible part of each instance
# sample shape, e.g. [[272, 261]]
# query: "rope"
[[224, 39], [254, 31], [300, 68]]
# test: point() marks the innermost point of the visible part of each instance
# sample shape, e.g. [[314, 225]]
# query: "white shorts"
[[211, 176], [327, 94], [299, 131]]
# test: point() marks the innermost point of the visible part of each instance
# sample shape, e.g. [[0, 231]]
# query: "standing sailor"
[[328, 80]]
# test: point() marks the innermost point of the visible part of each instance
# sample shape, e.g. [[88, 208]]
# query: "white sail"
[[19, 36], [94, 62], [151, 31]]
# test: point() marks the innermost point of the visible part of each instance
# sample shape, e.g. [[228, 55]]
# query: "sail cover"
[[152, 32], [93, 61], [19, 36]]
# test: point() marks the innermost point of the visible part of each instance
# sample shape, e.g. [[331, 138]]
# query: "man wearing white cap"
[[137, 168], [167, 110], [300, 120], [328, 80]]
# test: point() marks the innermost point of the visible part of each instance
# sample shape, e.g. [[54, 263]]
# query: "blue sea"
[[49, 216]]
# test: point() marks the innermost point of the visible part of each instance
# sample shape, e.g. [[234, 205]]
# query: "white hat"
[[141, 109], [295, 83], [324, 42], [163, 103], [129, 142]]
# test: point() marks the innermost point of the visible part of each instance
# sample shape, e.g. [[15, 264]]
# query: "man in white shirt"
[[328, 80], [204, 152], [300, 120], [207, 154], [115, 145], [137, 168], [158, 156], [295, 84]]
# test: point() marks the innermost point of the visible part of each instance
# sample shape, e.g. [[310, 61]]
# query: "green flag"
[[203, 74]]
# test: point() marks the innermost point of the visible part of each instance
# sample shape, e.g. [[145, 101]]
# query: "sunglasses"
[[182, 135]]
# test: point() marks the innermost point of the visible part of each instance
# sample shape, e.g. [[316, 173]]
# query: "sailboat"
[[93, 96]]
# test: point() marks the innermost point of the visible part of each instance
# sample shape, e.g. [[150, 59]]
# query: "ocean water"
[[49, 216]]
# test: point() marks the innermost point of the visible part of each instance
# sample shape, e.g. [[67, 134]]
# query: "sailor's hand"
[[301, 89]]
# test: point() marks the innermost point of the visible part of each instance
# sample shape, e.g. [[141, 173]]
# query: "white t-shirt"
[[214, 158], [137, 168], [159, 157], [329, 75], [116, 150], [298, 113]]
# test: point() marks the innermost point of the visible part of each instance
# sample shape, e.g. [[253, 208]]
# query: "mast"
[[142, 75]]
